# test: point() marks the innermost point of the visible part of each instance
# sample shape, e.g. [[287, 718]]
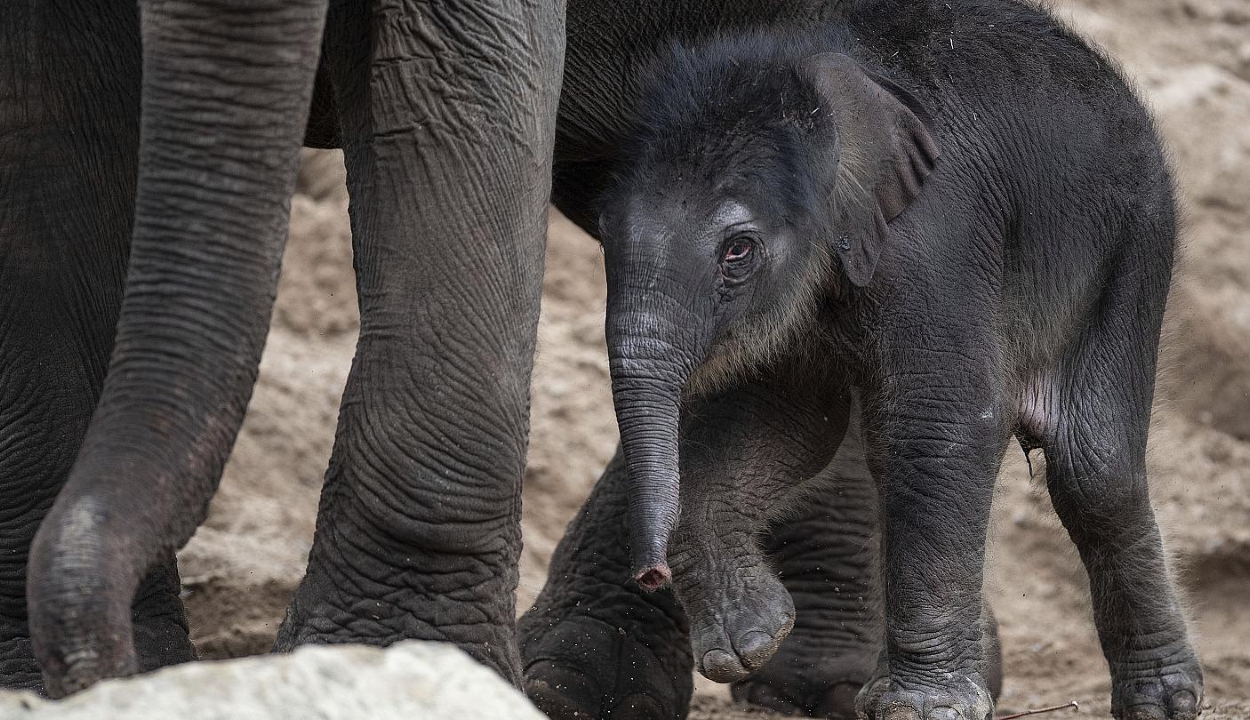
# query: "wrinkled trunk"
[[656, 339], [225, 97], [650, 364]]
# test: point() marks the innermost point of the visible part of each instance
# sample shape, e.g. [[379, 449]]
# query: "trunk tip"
[[650, 554], [654, 576]]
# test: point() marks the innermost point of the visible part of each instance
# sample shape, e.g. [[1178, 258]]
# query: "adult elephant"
[[147, 158]]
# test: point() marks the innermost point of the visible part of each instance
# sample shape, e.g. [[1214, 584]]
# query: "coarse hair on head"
[[734, 114]]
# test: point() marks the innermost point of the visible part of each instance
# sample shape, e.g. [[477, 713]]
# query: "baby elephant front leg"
[[826, 553], [939, 436], [742, 454]]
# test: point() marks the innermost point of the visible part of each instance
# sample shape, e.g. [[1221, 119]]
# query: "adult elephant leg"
[[448, 116], [217, 161], [594, 645], [69, 137]]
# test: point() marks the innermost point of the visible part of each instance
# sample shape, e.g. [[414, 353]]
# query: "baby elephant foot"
[[966, 698], [820, 685], [589, 669], [1170, 693], [737, 638]]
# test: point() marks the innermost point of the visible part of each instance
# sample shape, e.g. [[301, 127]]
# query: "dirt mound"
[[1192, 61]]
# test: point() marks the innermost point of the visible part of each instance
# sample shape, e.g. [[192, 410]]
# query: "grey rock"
[[406, 681]]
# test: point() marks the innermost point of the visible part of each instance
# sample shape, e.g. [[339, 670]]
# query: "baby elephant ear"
[[885, 149]]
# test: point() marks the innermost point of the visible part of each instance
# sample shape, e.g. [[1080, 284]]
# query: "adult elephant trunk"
[[654, 343], [225, 96]]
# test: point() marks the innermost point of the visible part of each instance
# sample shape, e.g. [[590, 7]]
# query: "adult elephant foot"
[[584, 667], [810, 676], [369, 583], [594, 645], [18, 669], [380, 572], [161, 635]]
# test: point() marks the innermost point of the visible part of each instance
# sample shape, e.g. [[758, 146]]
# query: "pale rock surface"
[[409, 680]]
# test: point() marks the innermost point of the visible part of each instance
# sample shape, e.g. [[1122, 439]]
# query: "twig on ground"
[[1073, 704]]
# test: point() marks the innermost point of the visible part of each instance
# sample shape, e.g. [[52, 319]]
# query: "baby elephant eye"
[[738, 258], [738, 249]]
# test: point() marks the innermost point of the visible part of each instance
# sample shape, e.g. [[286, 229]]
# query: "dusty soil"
[[1191, 59]]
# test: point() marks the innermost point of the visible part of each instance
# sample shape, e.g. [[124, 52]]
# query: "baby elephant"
[[948, 223]]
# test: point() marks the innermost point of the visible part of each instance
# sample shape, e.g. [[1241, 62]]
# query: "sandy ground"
[[1192, 60]]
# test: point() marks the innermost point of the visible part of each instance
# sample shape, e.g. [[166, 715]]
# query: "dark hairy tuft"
[[736, 111]]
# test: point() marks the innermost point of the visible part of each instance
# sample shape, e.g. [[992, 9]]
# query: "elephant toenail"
[[1146, 712], [945, 713], [900, 712], [1184, 704], [756, 648], [722, 666]]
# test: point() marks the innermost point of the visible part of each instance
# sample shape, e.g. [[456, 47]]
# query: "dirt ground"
[[1191, 58]]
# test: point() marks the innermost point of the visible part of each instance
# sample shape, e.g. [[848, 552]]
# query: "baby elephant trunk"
[[648, 374]]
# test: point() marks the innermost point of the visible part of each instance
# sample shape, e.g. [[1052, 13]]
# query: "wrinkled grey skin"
[[138, 263], [953, 210], [594, 645]]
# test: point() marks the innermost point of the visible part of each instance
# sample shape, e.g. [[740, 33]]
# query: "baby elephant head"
[[760, 178]]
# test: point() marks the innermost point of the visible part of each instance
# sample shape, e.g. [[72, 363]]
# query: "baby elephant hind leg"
[[1095, 447]]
